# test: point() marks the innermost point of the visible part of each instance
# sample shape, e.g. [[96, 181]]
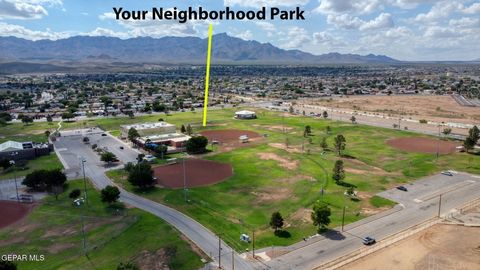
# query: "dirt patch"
[[285, 163], [423, 145], [155, 259], [294, 179], [198, 172], [444, 246], [303, 215], [60, 231], [271, 195], [12, 241], [13, 212], [59, 247], [282, 146]]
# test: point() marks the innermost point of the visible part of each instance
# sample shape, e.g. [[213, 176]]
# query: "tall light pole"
[[83, 160], [184, 181], [12, 162]]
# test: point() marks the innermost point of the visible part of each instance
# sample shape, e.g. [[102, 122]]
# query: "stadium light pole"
[[15, 173], [184, 181], [83, 160]]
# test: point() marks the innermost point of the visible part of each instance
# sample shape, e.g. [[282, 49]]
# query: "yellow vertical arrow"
[[207, 76]]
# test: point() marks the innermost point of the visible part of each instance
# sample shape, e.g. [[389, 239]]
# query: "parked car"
[[369, 241], [447, 173], [121, 147], [402, 188], [103, 134]]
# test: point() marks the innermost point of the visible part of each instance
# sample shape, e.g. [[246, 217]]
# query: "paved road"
[[71, 147], [420, 203]]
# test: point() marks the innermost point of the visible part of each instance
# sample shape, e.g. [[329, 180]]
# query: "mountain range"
[[176, 50]]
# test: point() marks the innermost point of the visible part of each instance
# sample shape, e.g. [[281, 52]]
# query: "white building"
[[245, 115]]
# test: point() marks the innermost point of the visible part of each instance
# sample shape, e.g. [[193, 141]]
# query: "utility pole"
[[184, 181], [219, 253], [253, 244], [439, 204], [343, 217], [83, 160]]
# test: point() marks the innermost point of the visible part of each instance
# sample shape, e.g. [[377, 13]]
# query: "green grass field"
[[245, 202], [48, 162], [54, 230]]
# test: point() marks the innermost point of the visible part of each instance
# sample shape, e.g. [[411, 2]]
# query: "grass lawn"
[[260, 186], [54, 230], [48, 162]]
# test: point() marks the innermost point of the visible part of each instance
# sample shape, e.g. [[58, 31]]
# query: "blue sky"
[[403, 29]]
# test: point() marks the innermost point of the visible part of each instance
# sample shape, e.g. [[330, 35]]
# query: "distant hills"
[[175, 50]]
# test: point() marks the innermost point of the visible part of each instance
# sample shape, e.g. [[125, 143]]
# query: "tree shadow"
[[346, 184], [332, 234], [282, 234]]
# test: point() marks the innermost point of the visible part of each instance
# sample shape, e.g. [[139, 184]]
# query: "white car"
[[447, 173]]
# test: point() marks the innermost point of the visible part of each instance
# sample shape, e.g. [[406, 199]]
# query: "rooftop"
[[147, 125]]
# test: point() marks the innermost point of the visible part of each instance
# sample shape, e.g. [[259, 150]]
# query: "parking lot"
[[72, 149], [429, 187]]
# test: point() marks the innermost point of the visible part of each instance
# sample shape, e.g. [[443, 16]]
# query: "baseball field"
[[280, 169]]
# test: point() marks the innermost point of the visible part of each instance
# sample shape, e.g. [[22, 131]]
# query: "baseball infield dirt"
[[12, 212], [423, 145], [198, 172]]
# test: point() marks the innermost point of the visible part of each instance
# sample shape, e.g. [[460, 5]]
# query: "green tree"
[[197, 145], [133, 134], [321, 215], [47, 134], [49, 118], [5, 163], [472, 138], [328, 129], [130, 114], [338, 172], [307, 131], [7, 265], [189, 130], [183, 129], [67, 116], [340, 144], [36, 180], [276, 221], [127, 266], [447, 131], [325, 114], [27, 120], [110, 194], [353, 119], [108, 157], [324, 144], [141, 175], [74, 193], [161, 150]]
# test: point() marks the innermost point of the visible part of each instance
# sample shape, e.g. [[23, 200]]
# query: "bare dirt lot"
[[198, 172], [439, 247], [423, 145], [434, 108], [12, 212]]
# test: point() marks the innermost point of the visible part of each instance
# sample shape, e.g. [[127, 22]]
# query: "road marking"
[[207, 75], [417, 200]]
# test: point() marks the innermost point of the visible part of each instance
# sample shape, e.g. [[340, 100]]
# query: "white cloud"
[[12, 9], [438, 11], [22, 32], [464, 22], [346, 21], [348, 6], [269, 27], [295, 38], [264, 3], [384, 20], [441, 32], [245, 35], [473, 9]]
